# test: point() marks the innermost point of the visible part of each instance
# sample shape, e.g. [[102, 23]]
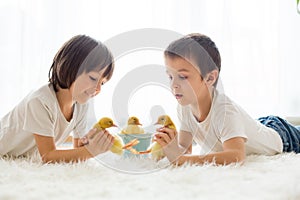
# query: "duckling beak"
[[114, 125], [156, 123], [139, 124]]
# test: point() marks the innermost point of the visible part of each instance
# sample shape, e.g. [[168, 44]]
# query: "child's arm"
[[185, 140], [174, 145], [76, 143], [99, 143], [233, 152]]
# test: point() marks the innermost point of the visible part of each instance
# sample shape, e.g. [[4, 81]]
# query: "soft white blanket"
[[261, 177]]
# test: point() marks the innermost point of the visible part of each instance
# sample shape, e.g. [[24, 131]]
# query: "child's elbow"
[[46, 158], [237, 157], [240, 157]]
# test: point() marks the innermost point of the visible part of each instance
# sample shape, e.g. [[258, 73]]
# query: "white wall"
[[258, 40]]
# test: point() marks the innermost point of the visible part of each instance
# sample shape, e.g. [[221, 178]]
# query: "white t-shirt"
[[227, 120], [39, 113]]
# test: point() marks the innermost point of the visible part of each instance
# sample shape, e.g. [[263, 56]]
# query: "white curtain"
[[258, 41]]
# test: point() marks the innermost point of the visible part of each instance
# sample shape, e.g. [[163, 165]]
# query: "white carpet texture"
[[261, 177]]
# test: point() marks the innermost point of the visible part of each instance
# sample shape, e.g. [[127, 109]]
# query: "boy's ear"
[[211, 77]]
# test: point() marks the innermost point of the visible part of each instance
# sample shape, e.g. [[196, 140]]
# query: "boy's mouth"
[[178, 96]]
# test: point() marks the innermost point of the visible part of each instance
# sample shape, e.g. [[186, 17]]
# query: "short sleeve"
[[38, 118], [232, 126], [183, 119]]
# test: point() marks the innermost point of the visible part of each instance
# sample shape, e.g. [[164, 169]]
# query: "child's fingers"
[[83, 141], [159, 129], [107, 139], [111, 138], [160, 141], [95, 138], [91, 134], [104, 140], [157, 136], [169, 131], [100, 142], [163, 136]]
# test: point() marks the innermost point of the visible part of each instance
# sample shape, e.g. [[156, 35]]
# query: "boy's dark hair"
[[80, 54], [198, 48]]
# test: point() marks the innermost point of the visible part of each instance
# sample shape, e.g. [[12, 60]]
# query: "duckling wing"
[[133, 129], [156, 151], [117, 145]]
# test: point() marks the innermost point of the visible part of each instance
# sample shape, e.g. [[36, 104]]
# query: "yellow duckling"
[[133, 126], [118, 144], [156, 149]]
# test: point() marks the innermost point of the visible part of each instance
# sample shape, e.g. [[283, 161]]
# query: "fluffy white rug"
[[261, 177]]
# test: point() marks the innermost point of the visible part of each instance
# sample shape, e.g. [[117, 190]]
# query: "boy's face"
[[87, 85], [186, 82]]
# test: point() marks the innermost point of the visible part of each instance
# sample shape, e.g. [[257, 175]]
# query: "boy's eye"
[[170, 77], [182, 77], [92, 78]]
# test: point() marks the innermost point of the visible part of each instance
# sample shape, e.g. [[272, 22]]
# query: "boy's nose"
[[97, 89], [174, 84]]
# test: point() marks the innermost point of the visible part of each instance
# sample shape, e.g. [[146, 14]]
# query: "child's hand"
[[164, 136], [84, 140], [168, 139], [98, 142]]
